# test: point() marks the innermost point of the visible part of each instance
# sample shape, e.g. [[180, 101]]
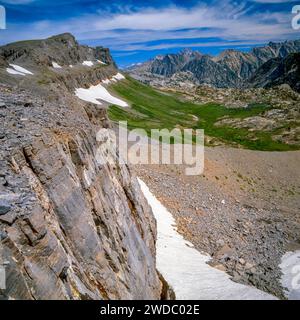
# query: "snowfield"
[[290, 280], [17, 70], [186, 269], [56, 65], [95, 93]]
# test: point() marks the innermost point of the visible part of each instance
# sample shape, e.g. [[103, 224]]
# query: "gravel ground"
[[243, 211]]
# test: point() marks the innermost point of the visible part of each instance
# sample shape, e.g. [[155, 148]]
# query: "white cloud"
[[225, 20]]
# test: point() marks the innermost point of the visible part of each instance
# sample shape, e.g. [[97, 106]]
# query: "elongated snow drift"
[[17, 70], [186, 269]]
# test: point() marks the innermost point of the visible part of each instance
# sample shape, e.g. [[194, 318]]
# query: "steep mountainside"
[[241, 64], [72, 224], [278, 71], [171, 63], [204, 67], [230, 69]]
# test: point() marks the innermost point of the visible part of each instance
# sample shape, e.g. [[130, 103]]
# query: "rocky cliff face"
[[231, 69], [72, 224], [170, 64], [278, 71]]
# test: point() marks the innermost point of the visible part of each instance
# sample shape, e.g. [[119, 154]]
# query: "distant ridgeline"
[[230, 69]]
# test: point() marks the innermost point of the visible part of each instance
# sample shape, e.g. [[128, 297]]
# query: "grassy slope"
[[154, 110]]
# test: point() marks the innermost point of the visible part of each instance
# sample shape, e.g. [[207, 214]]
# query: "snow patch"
[[95, 93], [186, 269], [56, 65], [13, 71], [88, 63], [119, 76], [71, 66], [101, 62], [20, 69], [106, 81], [17, 70], [290, 280]]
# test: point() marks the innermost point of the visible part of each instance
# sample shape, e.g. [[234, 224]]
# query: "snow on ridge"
[[99, 92], [88, 63], [186, 269], [56, 65], [114, 78], [101, 62], [95, 93]]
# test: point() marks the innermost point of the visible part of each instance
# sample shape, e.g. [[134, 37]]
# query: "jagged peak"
[[64, 38]]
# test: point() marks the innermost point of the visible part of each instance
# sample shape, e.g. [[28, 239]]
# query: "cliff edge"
[[72, 225]]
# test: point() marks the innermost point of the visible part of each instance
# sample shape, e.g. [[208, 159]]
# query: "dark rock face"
[[278, 71], [170, 64], [4, 207], [240, 64], [208, 71], [72, 225], [231, 69], [103, 54]]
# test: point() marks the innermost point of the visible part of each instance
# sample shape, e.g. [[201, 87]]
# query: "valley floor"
[[243, 211]]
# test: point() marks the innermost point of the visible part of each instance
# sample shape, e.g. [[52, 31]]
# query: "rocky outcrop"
[[73, 225], [230, 69]]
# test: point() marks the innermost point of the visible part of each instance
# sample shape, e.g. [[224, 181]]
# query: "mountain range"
[[230, 69]]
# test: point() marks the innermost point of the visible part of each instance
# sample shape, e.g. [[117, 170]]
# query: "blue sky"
[[138, 30]]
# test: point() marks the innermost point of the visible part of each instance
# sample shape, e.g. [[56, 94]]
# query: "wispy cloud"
[[127, 28]]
